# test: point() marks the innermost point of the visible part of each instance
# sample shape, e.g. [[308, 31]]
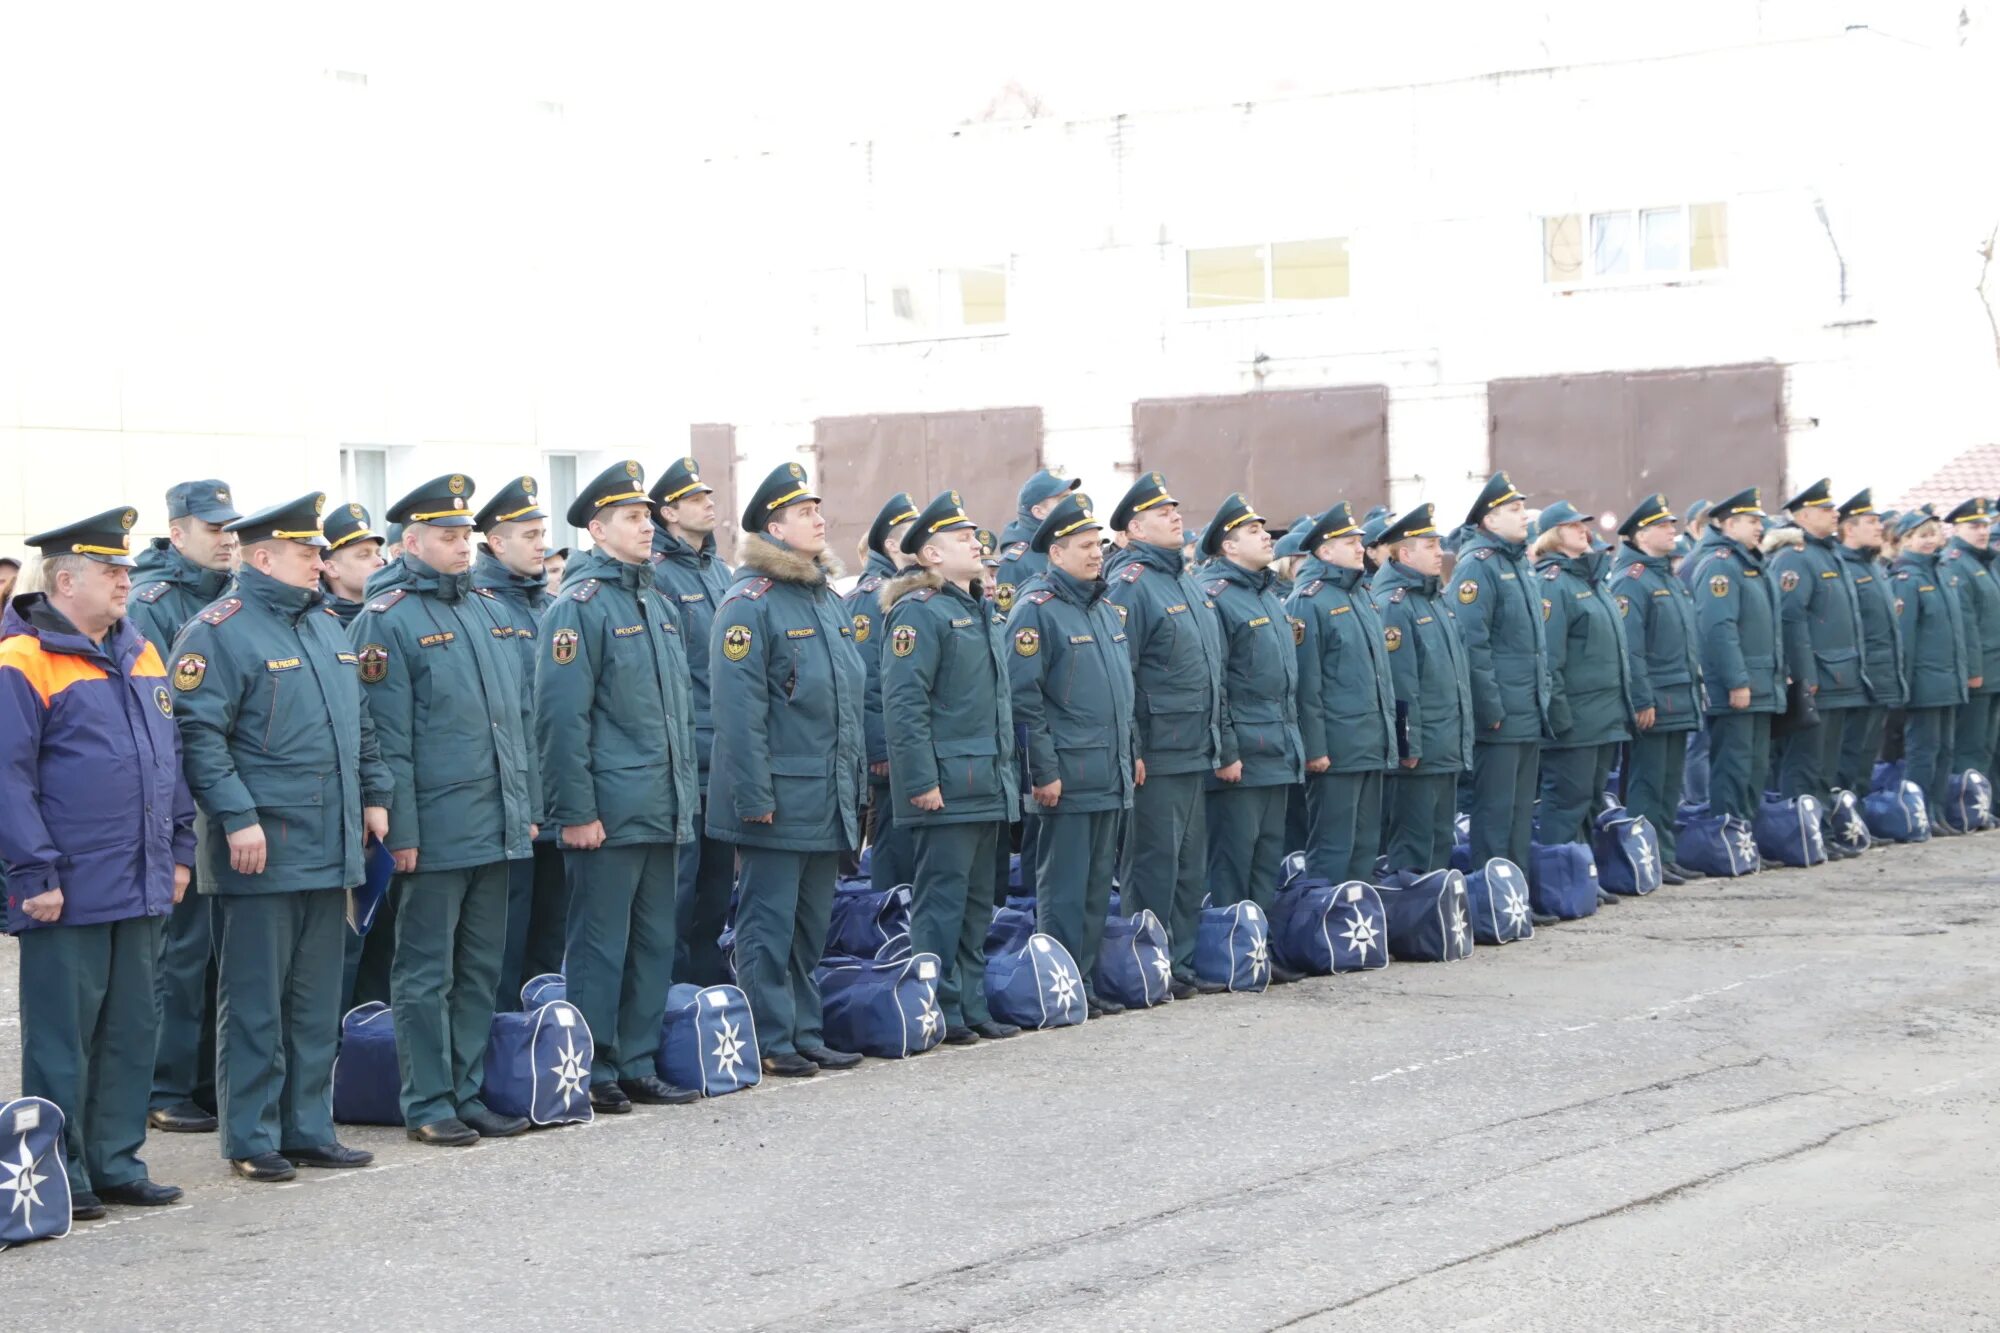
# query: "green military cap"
[[1234, 513], [1861, 502], [1970, 511], [1149, 492], [515, 502], [443, 502], [681, 479], [1819, 495], [1373, 528], [347, 524], [946, 513], [1382, 512], [989, 547], [105, 538], [1555, 514], [1910, 520], [1653, 509], [900, 509], [1497, 491], [620, 484], [1043, 485], [1338, 521], [293, 521], [1292, 543], [1071, 514], [785, 486], [1418, 522], [205, 500], [1743, 502]]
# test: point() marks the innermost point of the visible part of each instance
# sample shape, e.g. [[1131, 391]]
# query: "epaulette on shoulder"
[[756, 588], [1132, 572], [585, 590], [1312, 589], [331, 611], [1635, 570], [486, 592], [388, 599], [1552, 573], [1902, 574], [1215, 587], [221, 611], [1483, 553], [869, 584], [153, 592], [1039, 595], [1014, 551], [1396, 595], [923, 594]]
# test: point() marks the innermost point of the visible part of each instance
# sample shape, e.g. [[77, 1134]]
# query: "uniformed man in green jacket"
[[1590, 695], [1663, 647], [174, 578], [1742, 668], [1176, 650], [1882, 658], [789, 766], [510, 568], [1821, 611], [1433, 685], [454, 721], [1498, 612], [280, 753], [1930, 614], [1072, 697], [950, 729], [353, 554], [1262, 755], [1347, 701], [893, 860], [616, 731], [1969, 555]]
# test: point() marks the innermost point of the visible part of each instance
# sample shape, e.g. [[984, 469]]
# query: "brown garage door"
[[1604, 441], [985, 455], [1291, 451], [714, 450]]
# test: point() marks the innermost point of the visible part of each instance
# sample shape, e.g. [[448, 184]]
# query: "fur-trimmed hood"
[[784, 565], [1777, 539], [914, 580]]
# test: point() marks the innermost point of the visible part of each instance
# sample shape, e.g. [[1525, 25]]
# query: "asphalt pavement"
[[1761, 1104]]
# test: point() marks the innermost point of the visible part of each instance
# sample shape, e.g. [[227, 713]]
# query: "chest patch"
[[162, 702], [1339, 610], [961, 624], [1298, 631], [694, 597], [1789, 580], [1177, 609], [626, 631], [806, 632], [282, 664], [861, 629], [1393, 637], [434, 640], [1260, 620], [1083, 638], [346, 659]]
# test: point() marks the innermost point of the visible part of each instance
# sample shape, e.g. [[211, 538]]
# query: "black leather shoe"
[[960, 1036], [831, 1059], [335, 1156], [493, 1125], [181, 1118], [1203, 986], [265, 1166], [1096, 1006], [140, 1193], [1284, 976], [1606, 898], [1181, 990], [1687, 876], [1670, 879], [651, 1091], [85, 1207], [1835, 852], [609, 1099], [789, 1066], [450, 1132], [994, 1030], [1544, 919]]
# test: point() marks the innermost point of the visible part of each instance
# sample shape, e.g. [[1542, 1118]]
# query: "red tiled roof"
[[1974, 472]]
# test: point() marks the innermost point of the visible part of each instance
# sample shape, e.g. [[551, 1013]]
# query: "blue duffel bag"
[[1626, 848], [367, 1086], [868, 923], [1788, 832], [1886, 776], [1232, 947], [885, 1007], [1721, 846], [1898, 814], [1013, 921], [1427, 916], [1968, 801], [1564, 882], [538, 991], [1497, 898], [1320, 928], [37, 1184], [1134, 966], [1035, 986], [1461, 845], [1845, 823], [708, 1040], [538, 1064]]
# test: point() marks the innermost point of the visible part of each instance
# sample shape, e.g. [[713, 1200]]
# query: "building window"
[[364, 474], [1675, 239], [561, 494], [936, 302], [1220, 277]]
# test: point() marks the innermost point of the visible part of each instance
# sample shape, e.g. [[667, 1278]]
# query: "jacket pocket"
[[635, 796], [968, 768], [1176, 720], [802, 786]]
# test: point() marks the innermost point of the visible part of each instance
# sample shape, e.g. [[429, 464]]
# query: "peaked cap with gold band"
[[293, 521], [1497, 491], [1071, 514], [946, 513], [1819, 495], [105, 538], [1653, 509], [681, 479], [348, 524], [900, 509], [1149, 492], [1418, 522], [1970, 511], [1235, 512], [516, 502], [1743, 502], [1337, 521], [443, 502], [1861, 502], [784, 487], [620, 484]]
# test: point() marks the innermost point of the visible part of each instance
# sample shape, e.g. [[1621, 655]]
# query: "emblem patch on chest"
[[861, 629], [1392, 637], [160, 700]]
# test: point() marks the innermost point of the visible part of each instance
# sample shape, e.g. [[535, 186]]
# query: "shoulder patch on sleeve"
[[153, 592], [1131, 572], [221, 611], [1719, 585], [1039, 595], [388, 599]]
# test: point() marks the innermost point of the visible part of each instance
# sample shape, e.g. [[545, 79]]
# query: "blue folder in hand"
[[364, 900]]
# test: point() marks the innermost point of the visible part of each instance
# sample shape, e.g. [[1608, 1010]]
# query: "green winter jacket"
[[945, 703]]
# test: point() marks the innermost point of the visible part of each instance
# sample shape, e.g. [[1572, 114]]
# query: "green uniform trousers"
[[1246, 844], [1928, 737], [701, 910], [1739, 762], [451, 928], [1505, 779], [1978, 734], [277, 1017], [537, 920], [1343, 826], [1420, 820], [1572, 779], [88, 1029], [1860, 746], [1655, 767], [621, 951], [1075, 857], [1166, 848], [184, 985], [784, 904], [892, 853], [954, 906], [1808, 760]]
